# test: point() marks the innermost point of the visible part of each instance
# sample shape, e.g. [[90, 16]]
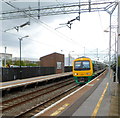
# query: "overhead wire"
[[52, 46], [101, 22], [70, 17], [30, 16], [101, 26], [45, 25]]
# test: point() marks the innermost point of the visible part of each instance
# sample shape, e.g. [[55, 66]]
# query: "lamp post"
[[69, 58], [116, 63], [109, 91], [20, 39], [97, 55]]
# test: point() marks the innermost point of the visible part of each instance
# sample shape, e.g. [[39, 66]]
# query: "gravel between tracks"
[[34, 102]]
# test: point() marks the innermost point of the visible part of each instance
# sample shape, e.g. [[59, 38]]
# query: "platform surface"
[[21, 82], [104, 101], [100, 99], [68, 105]]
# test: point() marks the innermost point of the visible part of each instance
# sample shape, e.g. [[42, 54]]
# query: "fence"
[[67, 68], [9, 74]]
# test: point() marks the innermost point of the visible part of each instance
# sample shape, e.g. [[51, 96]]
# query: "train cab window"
[[82, 65]]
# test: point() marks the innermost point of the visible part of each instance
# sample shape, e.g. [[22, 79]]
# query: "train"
[[85, 69]]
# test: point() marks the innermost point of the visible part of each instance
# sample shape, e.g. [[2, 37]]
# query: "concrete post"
[[118, 42]]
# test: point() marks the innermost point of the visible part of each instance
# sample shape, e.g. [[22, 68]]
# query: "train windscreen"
[[82, 65]]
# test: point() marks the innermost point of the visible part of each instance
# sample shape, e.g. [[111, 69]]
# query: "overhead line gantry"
[[65, 8]]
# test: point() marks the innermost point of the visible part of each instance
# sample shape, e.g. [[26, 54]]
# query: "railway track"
[[31, 112], [21, 105]]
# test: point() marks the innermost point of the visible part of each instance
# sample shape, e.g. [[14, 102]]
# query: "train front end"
[[82, 70]]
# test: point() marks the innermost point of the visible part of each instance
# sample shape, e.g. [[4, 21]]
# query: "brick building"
[[53, 60]]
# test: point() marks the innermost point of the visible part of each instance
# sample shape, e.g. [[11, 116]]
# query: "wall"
[[9, 74], [53, 60]]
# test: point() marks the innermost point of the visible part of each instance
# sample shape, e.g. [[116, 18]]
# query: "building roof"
[[55, 53]]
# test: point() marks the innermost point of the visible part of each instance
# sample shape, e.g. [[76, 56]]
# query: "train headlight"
[[87, 73], [76, 73]]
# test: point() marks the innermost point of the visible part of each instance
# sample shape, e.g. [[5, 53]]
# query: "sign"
[[59, 65]]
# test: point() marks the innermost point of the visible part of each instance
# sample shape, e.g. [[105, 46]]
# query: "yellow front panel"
[[80, 73]]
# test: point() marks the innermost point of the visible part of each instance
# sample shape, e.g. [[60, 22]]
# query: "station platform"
[[24, 82], [102, 99]]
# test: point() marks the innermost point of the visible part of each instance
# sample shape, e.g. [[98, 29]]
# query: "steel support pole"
[[109, 54], [118, 43], [69, 59], [116, 65], [20, 51], [20, 39], [97, 54], [5, 57]]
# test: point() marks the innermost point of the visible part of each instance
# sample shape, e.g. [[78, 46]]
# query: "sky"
[[47, 35]]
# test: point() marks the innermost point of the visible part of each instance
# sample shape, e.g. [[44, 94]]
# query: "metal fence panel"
[[9, 74], [68, 69]]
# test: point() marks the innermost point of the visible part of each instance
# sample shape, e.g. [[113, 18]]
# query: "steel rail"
[[34, 97], [29, 111], [9, 100]]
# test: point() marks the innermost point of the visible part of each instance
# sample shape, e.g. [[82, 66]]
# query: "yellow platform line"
[[99, 103], [60, 110]]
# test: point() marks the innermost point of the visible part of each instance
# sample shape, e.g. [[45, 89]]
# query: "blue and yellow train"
[[84, 69]]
